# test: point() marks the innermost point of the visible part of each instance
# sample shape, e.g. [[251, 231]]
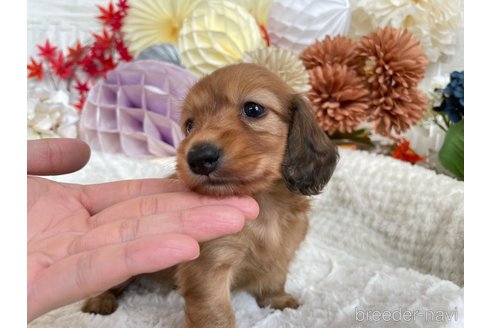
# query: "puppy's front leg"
[[105, 303], [207, 295], [270, 291]]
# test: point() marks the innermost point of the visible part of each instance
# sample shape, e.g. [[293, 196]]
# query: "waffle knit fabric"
[[385, 236]]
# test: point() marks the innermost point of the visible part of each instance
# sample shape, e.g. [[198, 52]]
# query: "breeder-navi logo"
[[400, 315]]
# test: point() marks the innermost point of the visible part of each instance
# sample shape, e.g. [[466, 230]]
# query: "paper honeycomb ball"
[[295, 24], [284, 63], [150, 22], [216, 34], [163, 52], [258, 8], [136, 109]]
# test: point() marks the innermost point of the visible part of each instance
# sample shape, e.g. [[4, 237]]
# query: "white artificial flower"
[[434, 22], [436, 87], [49, 114]]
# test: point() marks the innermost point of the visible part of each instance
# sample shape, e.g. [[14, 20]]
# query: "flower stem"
[[439, 124]]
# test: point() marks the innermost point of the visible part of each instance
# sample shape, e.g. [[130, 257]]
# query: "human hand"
[[85, 239]]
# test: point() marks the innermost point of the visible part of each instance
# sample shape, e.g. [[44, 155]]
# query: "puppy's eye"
[[253, 110], [188, 127]]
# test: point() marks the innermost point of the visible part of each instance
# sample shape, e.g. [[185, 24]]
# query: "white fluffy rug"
[[384, 249]]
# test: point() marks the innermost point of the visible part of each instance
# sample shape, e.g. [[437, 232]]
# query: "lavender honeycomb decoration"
[[136, 109]]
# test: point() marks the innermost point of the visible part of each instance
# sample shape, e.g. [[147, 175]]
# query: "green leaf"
[[452, 153]]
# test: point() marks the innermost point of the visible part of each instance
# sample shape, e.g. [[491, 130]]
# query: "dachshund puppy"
[[247, 133]]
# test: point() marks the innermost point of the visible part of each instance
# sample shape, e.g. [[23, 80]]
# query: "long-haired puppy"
[[247, 133]]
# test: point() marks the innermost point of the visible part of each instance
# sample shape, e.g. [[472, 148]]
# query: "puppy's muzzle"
[[203, 159]]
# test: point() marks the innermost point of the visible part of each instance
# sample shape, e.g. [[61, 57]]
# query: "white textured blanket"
[[384, 249]]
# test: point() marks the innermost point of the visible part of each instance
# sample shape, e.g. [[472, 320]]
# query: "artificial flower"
[[393, 57], [339, 97], [394, 64], [50, 115], [396, 112], [433, 22], [437, 85], [402, 151], [337, 50], [283, 62], [450, 119], [155, 21], [453, 102]]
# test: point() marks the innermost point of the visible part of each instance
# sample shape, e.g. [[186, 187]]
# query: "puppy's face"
[[239, 124]]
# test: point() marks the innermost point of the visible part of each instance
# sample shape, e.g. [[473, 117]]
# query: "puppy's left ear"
[[310, 157]]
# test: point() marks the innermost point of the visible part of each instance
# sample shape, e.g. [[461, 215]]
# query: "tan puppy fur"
[[277, 158]]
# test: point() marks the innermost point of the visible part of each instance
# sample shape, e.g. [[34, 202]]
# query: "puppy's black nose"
[[203, 158]]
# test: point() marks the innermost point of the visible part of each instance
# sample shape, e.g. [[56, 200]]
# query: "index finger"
[[97, 197]]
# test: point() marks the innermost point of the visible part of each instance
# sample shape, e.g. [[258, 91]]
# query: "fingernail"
[[252, 210]]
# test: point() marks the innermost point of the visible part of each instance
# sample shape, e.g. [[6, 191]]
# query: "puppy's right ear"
[[311, 157]]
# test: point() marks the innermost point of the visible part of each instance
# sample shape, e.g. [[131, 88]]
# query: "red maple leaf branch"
[[111, 17], [63, 68], [76, 53], [89, 61], [123, 5], [47, 51], [35, 70]]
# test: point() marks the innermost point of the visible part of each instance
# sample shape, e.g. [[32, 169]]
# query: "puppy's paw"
[[279, 301], [104, 304]]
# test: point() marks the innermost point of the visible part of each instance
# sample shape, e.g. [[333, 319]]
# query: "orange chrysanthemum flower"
[[339, 97], [339, 50], [394, 65]]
